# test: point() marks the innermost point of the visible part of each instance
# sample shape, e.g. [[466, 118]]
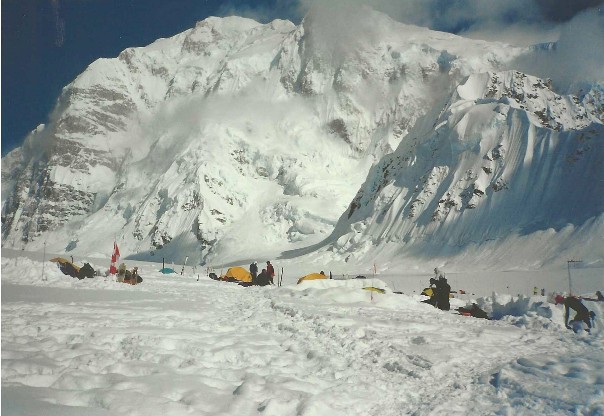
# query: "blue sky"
[[47, 43]]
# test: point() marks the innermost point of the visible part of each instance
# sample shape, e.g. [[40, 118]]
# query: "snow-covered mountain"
[[238, 140], [508, 171]]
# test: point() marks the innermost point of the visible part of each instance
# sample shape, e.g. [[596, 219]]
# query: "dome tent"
[[237, 274], [312, 276]]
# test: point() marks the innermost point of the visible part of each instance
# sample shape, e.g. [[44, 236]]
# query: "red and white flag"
[[114, 259]]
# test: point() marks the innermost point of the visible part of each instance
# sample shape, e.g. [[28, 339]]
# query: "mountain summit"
[[235, 140]]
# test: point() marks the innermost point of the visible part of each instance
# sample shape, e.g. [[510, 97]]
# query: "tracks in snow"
[[219, 349]]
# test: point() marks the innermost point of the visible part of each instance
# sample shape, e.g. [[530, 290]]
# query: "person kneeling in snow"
[[582, 313], [263, 278], [474, 311]]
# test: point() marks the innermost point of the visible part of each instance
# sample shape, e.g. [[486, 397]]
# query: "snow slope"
[[178, 345], [508, 163]]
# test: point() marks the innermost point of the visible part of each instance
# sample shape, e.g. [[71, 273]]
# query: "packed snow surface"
[[186, 344]]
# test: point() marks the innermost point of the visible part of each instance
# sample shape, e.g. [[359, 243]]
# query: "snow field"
[[175, 345]]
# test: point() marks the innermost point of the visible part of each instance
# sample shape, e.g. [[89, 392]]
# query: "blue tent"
[[167, 270]]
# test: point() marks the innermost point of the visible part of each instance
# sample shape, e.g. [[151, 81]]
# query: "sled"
[[374, 289]]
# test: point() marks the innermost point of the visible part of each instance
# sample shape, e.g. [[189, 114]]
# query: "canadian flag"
[[114, 259]]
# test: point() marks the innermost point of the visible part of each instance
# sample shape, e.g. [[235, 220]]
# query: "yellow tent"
[[312, 276], [66, 266], [238, 274], [63, 261]]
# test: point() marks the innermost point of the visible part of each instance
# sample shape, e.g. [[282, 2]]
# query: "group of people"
[[266, 276], [127, 276], [440, 291], [536, 291]]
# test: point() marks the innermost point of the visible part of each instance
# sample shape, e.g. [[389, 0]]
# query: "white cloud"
[[518, 34], [578, 56], [513, 21]]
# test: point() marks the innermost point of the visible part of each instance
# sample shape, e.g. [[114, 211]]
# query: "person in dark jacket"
[[254, 270], [441, 294], [582, 313], [86, 271]]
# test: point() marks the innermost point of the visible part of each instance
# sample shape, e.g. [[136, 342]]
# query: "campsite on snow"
[[347, 215], [191, 344]]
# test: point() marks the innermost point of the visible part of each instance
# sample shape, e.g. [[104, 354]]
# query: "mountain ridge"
[[436, 191], [237, 128]]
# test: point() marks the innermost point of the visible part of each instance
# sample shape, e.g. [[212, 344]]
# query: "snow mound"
[[536, 312], [26, 272], [352, 291]]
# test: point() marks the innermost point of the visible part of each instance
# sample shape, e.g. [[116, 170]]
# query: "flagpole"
[[114, 259], [44, 261]]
